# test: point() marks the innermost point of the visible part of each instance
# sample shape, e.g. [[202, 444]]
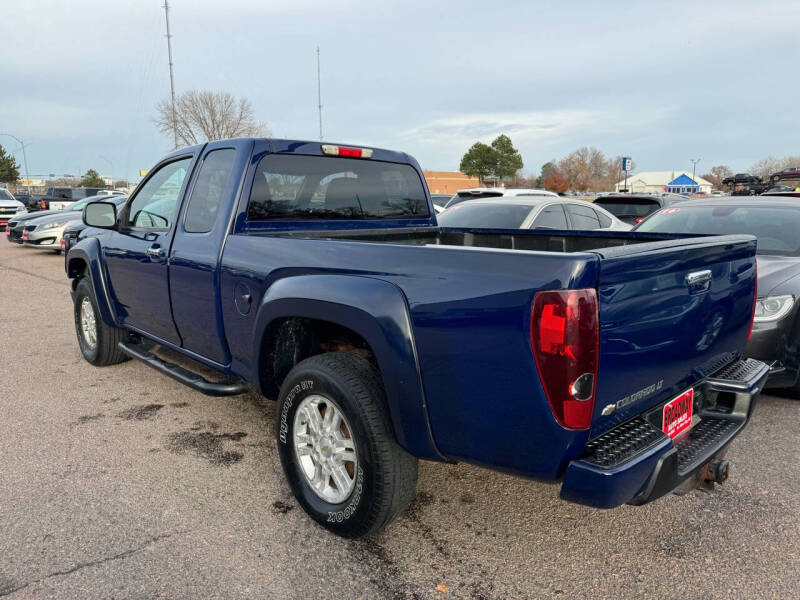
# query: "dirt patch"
[[179, 404], [206, 444], [82, 420], [144, 412], [281, 508]]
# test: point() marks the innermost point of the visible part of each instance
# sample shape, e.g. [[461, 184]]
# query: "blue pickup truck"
[[316, 274]]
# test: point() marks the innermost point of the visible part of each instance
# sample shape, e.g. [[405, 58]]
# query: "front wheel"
[[337, 446], [98, 342]]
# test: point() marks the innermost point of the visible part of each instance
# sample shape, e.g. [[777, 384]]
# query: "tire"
[[383, 476], [104, 351], [794, 391]]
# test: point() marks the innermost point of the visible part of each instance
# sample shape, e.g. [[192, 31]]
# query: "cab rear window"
[[321, 187]]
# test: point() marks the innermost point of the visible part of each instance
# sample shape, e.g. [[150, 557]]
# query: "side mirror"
[[100, 214]]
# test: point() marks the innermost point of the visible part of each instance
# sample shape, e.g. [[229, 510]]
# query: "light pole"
[[108, 160], [694, 168], [24, 159]]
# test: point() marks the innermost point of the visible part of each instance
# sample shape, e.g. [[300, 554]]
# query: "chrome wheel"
[[325, 448], [88, 323]]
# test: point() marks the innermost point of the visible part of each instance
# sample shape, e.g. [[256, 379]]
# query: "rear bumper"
[[636, 463]]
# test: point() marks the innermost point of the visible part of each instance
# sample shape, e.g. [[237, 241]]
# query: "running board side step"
[[182, 375]]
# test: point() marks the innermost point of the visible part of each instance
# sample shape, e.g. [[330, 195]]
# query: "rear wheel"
[[337, 446], [98, 342]]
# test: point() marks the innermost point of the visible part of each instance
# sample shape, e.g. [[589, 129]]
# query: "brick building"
[[448, 182]]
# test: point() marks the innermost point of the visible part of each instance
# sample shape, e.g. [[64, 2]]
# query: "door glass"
[[604, 220], [154, 204], [212, 181], [551, 217], [583, 217]]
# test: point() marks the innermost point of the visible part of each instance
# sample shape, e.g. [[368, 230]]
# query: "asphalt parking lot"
[[120, 483]]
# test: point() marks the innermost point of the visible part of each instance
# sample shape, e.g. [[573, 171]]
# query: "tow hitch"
[[714, 472]]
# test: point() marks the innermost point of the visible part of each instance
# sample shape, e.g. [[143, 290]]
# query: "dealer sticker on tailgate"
[[677, 414]]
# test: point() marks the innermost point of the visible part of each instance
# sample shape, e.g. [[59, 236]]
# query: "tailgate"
[[671, 313]]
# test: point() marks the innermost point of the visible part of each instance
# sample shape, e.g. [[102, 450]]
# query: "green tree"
[[479, 161], [508, 160], [9, 170], [92, 179]]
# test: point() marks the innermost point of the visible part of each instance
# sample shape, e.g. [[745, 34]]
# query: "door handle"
[[699, 281], [154, 251]]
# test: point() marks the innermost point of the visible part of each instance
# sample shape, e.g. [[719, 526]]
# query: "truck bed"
[[535, 240]]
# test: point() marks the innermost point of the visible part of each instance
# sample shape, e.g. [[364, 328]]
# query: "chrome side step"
[[181, 374]]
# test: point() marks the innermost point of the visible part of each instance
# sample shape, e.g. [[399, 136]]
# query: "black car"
[[69, 194], [775, 221], [635, 208], [72, 232]]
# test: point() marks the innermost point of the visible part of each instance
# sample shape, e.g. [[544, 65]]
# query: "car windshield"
[[5, 195], [775, 227], [624, 207], [493, 216]]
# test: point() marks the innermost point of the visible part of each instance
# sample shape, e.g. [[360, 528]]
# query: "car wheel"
[[337, 446], [98, 342]]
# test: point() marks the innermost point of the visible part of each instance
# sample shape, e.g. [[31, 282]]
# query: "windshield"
[[491, 216], [627, 207], [5, 195], [775, 227]]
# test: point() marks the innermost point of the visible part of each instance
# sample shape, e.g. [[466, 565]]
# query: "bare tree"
[[717, 174], [767, 166], [588, 168], [202, 116]]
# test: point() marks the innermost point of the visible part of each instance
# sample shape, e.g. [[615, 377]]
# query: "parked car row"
[[44, 230]]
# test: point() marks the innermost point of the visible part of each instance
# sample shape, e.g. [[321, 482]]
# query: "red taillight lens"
[[42, 205], [565, 333], [353, 152], [348, 151], [639, 219]]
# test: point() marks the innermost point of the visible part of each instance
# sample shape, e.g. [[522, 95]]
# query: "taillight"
[[639, 219], [42, 204], [347, 151], [565, 333]]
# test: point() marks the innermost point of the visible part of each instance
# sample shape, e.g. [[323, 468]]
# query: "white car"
[[10, 207], [530, 213], [496, 192]]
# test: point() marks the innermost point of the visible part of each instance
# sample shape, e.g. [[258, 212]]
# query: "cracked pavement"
[[120, 483]]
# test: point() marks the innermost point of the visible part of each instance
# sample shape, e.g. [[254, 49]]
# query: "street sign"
[[627, 164]]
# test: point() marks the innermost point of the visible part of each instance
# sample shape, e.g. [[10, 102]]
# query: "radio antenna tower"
[[319, 96], [171, 77]]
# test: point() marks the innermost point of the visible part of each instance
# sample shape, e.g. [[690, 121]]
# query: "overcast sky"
[[661, 81]]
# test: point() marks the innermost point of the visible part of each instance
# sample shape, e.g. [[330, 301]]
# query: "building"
[[655, 182], [448, 182]]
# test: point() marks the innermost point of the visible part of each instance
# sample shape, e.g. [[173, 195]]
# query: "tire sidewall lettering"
[[338, 516], [302, 386]]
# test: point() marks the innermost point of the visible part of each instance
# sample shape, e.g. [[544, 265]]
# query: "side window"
[[210, 186], [154, 205], [604, 220], [551, 217], [583, 217]]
